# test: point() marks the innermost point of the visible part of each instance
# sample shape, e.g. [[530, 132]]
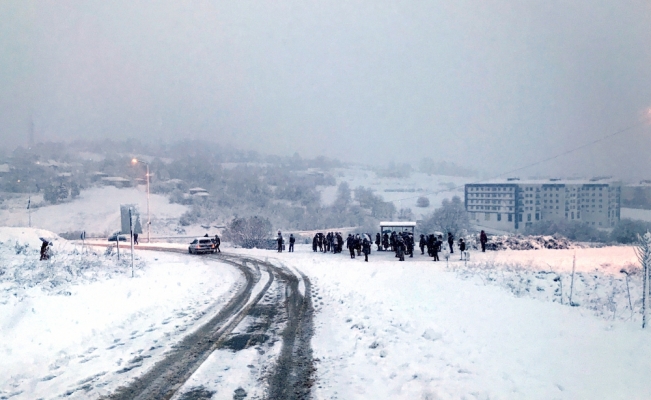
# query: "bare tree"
[[643, 251]]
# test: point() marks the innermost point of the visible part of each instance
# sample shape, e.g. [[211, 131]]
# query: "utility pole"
[[131, 229], [29, 210]]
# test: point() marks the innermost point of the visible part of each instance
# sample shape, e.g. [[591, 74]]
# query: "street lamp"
[[134, 162]]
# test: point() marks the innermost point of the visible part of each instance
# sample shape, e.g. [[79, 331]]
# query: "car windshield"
[[205, 241]]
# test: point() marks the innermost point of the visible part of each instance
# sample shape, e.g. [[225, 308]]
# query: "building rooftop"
[[551, 181]]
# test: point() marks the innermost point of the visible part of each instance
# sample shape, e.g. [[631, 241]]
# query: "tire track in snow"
[[292, 376]]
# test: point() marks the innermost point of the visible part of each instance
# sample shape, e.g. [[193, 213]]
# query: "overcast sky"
[[488, 84]]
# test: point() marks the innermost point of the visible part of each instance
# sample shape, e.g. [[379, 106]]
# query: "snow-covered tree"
[[248, 232], [450, 217]]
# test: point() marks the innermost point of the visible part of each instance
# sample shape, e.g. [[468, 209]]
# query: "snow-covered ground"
[[491, 328], [80, 320], [392, 330], [96, 211]]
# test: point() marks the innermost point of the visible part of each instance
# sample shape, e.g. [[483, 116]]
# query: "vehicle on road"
[[112, 238], [201, 245]]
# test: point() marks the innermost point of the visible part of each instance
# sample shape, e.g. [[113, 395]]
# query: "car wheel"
[[190, 251]]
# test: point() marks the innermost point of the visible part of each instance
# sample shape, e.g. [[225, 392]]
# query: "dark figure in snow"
[[451, 242], [400, 248], [421, 243], [340, 242], [378, 240], [483, 239], [436, 248], [279, 239], [350, 244], [430, 245], [314, 242], [409, 242], [217, 242], [292, 239], [45, 255], [358, 244], [385, 241], [320, 241], [462, 247], [135, 238], [366, 248]]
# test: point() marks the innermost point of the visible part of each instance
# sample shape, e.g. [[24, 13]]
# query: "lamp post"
[[134, 162]]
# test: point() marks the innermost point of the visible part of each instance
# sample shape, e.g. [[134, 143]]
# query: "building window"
[[499, 217], [519, 217], [528, 217], [572, 214], [487, 216], [537, 216]]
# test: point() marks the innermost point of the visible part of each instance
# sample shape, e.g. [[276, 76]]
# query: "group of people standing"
[[402, 243]]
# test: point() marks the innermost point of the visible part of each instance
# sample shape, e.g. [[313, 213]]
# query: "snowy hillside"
[[402, 192], [96, 211]]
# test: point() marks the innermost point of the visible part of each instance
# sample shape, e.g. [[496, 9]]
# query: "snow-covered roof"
[[552, 181], [397, 223]]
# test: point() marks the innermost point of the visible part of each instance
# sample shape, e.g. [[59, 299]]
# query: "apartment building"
[[512, 204]]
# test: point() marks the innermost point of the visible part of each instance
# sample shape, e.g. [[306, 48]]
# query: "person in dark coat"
[[451, 242], [378, 241], [409, 242], [366, 248], [291, 242], [358, 244], [135, 238], [350, 244], [436, 248], [44, 252], [421, 243], [462, 247], [280, 242], [483, 239], [217, 242], [400, 248], [385, 241], [314, 242]]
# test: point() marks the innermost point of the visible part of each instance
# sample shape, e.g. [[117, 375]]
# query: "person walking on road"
[[483, 239], [451, 242], [350, 244], [291, 242], [366, 248], [462, 247], [280, 242], [217, 242]]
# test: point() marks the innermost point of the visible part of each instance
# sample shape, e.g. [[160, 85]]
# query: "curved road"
[[292, 376]]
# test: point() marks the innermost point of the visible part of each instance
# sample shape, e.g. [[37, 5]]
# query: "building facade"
[[512, 205]]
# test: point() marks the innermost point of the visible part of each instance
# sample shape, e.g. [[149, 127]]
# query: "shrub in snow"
[[605, 295], [248, 232]]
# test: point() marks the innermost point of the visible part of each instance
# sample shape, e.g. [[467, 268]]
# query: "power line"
[[610, 135]]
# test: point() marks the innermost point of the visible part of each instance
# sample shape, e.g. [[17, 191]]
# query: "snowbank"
[[79, 325]]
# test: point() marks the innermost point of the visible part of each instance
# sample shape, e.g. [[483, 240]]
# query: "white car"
[[201, 245]]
